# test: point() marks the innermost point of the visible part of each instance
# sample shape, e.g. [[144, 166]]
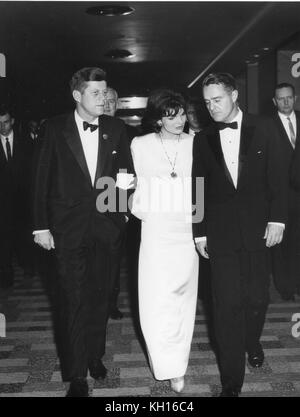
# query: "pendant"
[[173, 174]]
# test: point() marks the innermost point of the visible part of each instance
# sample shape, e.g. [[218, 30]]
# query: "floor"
[[29, 365]]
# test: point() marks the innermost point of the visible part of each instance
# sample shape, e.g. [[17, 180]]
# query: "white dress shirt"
[[90, 143], [33, 136], [230, 142], [10, 139], [193, 132], [285, 123]]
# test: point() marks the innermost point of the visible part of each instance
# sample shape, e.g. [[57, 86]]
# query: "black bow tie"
[[222, 125], [87, 125]]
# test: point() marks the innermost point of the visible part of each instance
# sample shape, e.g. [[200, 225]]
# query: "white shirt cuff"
[[200, 239], [278, 224], [35, 232], [125, 181]]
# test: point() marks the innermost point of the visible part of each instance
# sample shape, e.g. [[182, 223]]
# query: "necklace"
[[173, 164]]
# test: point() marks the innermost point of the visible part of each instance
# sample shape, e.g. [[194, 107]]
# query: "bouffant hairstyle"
[[161, 103]]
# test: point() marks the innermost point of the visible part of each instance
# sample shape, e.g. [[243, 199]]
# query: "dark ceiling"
[[173, 42]]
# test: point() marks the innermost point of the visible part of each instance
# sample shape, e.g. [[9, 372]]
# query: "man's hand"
[[273, 234], [202, 249], [45, 240]]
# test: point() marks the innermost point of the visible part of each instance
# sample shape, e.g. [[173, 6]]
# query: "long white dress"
[[168, 261]]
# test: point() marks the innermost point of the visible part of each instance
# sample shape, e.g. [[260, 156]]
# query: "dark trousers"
[[286, 258], [84, 289], [240, 289], [116, 284]]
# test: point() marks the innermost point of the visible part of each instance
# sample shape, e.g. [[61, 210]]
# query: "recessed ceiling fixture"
[[119, 53], [110, 10]]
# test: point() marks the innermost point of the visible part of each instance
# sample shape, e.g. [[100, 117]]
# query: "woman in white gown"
[[168, 262]]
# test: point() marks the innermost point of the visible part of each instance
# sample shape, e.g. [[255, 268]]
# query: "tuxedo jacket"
[[15, 185], [286, 154], [295, 163], [285, 144], [236, 218], [64, 198]]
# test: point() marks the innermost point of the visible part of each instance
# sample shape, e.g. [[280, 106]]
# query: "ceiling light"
[[119, 53], [110, 10], [256, 55]]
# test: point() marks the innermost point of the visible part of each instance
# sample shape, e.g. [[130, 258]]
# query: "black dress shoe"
[[256, 359], [78, 388], [230, 392], [97, 369], [116, 314]]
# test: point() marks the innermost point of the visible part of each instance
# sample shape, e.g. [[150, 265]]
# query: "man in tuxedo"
[[244, 215], [15, 234], [285, 258], [33, 130], [79, 215], [111, 107], [295, 184]]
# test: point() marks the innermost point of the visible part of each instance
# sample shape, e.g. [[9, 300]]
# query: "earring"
[[159, 123]]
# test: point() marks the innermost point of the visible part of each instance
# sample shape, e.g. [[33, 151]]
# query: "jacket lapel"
[[73, 140], [282, 131], [105, 138], [3, 158], [214, 141], [297, 127], [15, 150], [247, 132]]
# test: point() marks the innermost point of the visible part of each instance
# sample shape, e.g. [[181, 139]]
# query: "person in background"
[[15, 224], [110, 109], [295, 184], [194, 123], [285, 257], [33, 129]]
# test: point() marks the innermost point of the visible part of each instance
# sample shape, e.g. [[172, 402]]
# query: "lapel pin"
[[105, 136]]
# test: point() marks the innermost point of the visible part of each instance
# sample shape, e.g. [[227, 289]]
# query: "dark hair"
[[285, 85], [81, 77], [224, 78], [194, 102], [161, 103], [4, 109]]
